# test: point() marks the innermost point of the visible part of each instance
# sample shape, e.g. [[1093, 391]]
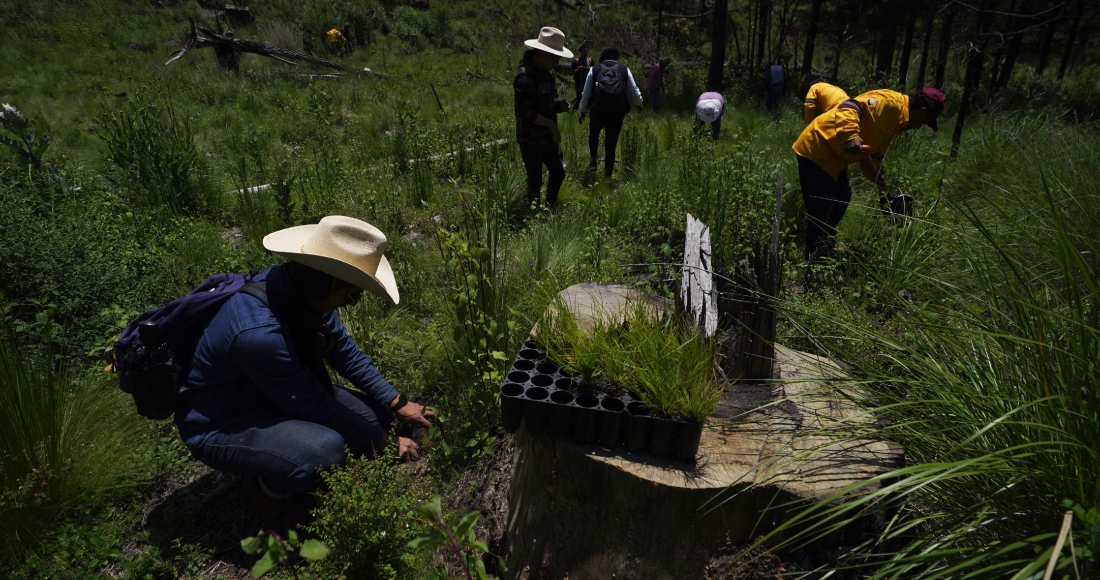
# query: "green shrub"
[[153, 147], [365, 519], [65, 437]]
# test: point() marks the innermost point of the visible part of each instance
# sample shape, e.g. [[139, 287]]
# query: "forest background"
[[972, 331]]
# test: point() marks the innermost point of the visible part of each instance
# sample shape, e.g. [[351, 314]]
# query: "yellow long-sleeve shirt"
[[821, 98], [335, 36], [885, 114]]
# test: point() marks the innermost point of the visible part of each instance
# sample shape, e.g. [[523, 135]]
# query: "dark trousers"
[[285, 452], [612, 125], [775, 93], [826, 201], [715, 127], [534, 157]]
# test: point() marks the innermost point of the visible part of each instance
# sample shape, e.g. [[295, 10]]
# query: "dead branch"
[[227, 44]]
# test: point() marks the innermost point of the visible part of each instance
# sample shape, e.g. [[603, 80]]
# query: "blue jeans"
[[826, 202], [655, 99], [286, 453]]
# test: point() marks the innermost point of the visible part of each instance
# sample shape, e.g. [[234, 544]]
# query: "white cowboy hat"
[[708, 110], [550, 40], [344, 247]]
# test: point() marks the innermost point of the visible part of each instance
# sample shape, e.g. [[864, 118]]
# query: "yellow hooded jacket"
[[885, 114], [822, 97]]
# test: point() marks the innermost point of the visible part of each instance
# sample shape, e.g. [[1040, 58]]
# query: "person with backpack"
[[260, 400], [775, 81], [859, 129], [609, 91], [537, 107]]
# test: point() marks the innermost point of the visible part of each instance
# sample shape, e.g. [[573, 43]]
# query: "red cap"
[[933, 100]]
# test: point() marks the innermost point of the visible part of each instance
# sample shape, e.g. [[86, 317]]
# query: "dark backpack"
[[609, 90], [154, 354]]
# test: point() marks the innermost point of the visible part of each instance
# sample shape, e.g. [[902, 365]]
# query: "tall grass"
[[65, 438], [990, 386]]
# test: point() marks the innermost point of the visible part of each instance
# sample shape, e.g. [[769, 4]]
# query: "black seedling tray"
[[538, 392]]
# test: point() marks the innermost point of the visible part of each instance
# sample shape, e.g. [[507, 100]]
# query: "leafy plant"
[[274, 550], [364, 519], [456, 536], [153, 146], [28, 143]]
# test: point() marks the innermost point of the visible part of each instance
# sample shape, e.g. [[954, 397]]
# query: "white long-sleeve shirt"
[[633, 93]]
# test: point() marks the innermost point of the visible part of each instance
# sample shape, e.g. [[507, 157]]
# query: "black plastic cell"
[[535, 409], [518, 377], [637, 426], [511, 406], [523, 365], [561, 414], [687, 441], [611, 422], [584, 421]]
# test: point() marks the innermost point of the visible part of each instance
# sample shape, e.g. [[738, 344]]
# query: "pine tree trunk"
[[762, 31], [973, 77], [1048, 42], [838, 52], [1014, 44], [907, 48], [718, 47], [945, 43], [811, 40], [926, 48], [1071, 38], [886, 41]]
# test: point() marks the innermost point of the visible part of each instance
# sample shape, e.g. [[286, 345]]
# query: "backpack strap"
[[257, 290]]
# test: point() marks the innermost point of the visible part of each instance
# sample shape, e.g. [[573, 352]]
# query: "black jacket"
[[536, 93]]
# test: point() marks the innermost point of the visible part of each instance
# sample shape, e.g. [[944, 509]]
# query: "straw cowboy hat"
[[550, 40], [344, 247]]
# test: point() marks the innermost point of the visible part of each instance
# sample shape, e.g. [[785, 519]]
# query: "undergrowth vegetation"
[[971, 332]]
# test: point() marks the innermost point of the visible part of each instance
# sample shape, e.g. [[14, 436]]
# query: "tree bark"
[[886, 42], [945, 43], [838, 52], [973, 76], [811, 40], [762, 31], [1071, 38], [1048, 42], [1013, 52], [926, 48], [907, 48], [716, 74]]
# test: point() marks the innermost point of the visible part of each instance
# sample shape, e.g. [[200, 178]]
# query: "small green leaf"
[[432, 539], [252, 545], [433, 509], [313, 550], [465, 526], [262, 566], [292, 538]]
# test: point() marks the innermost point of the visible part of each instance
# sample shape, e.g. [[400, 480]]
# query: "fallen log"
[[229, 48]]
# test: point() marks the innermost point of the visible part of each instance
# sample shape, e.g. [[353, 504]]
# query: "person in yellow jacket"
[[337, 42], [821, 98], [858, 130]]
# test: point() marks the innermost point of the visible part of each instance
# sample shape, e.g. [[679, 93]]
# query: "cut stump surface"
[[586, 512]]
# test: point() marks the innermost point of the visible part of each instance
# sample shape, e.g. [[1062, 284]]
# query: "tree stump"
[[579, 512]]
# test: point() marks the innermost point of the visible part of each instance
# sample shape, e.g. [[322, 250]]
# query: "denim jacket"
[[245, 363]]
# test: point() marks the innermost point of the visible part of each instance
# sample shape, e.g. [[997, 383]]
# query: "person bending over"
[[859, 129]]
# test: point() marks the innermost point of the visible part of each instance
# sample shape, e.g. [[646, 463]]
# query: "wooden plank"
[[697, 290]]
